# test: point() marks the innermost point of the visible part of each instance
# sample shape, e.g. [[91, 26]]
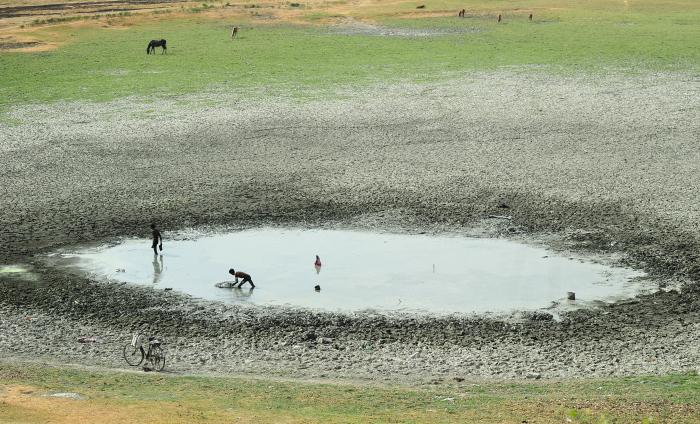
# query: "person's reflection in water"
[[157, 268], [241, 294]]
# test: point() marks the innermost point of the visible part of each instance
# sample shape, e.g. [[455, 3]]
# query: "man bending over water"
[[157, 240], [243, 275]]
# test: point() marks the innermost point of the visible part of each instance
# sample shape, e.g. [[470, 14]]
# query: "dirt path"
[[78, 7]]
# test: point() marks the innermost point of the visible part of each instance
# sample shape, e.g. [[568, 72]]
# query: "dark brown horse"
[[156, 43]]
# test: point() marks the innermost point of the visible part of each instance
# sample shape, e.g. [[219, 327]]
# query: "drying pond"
[[360, 270]]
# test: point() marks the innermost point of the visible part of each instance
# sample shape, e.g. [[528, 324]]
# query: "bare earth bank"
[[601, 163]]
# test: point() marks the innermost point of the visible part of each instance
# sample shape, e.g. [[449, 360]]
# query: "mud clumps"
[[351, 344], [12, 45], [575, 169]]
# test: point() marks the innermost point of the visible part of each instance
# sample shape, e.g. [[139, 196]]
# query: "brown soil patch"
[[24, 404], [78, 7]]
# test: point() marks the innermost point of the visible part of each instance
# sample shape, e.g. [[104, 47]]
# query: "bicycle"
[[135, 354]]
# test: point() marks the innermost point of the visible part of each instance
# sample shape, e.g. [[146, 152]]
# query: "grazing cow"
[[499, 17], [156, 43], [234, 31], [530, 17]]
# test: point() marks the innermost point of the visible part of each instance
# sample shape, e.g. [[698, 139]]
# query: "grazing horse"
[[155, 43], [234, 31]]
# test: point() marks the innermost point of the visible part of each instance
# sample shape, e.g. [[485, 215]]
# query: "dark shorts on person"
[[245, 280]]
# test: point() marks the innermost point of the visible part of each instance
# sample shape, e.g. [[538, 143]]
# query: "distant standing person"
[[239, 274], [157, 240], [234, 31]]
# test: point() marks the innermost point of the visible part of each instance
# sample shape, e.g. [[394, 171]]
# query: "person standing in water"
[[239, 274], [157, 240]]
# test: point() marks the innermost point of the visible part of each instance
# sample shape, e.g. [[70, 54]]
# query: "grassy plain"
[[293, 50], [316, 47], [135, 397]]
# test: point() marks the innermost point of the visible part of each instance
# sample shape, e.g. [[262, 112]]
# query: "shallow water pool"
[[361, 270]]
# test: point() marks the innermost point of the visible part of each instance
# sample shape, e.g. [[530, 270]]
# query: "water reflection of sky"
[[362, 270]]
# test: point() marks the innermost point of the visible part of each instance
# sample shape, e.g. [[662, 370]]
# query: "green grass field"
[[566, 36], [140, 397]]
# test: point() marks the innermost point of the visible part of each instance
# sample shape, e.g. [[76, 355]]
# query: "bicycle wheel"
[[157, 358], [133, 355]]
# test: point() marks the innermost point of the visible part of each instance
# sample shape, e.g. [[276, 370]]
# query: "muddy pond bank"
[[625, 338], [651, 334], [576, 170]]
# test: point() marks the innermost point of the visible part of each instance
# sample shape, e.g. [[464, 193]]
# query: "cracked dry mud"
[[601, 164]]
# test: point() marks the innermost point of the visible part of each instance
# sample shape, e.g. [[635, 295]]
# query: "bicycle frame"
[[154, 354], [134, 341]]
